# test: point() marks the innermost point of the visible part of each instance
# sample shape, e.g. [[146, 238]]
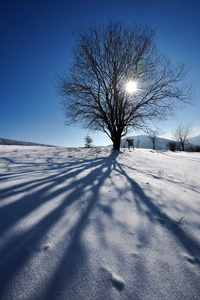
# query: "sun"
[[131, 87]]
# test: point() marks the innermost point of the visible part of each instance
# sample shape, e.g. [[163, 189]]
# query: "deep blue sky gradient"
[[35, 44]]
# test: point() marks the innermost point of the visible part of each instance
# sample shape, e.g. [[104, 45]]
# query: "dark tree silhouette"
[[105, 59]]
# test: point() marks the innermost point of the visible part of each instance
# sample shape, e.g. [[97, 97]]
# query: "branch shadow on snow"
[[75, 257], [191, 245], [17, 251]]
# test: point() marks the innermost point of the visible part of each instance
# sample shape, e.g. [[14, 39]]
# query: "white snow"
[[81, 223]]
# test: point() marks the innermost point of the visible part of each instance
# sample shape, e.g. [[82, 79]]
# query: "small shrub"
[[191, 149], [197, 148], [172, 146], [194, 149]]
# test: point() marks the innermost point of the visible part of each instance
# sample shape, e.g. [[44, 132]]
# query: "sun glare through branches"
[[131, 87]]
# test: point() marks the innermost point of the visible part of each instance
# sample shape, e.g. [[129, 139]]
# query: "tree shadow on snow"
[[152, 211], [75, 260], [19, 249], [71, 267]]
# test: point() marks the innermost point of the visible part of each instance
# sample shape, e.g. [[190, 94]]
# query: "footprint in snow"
[[46, 247], [135, 255], [115, 279], [192, 260], [117, 282], [31, 249]]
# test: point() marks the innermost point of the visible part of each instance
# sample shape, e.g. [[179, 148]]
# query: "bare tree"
[[138, 143], [105, 59], [181, 133], [153, 135]]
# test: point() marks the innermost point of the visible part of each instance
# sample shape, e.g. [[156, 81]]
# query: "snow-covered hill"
[[91, 224], [195, 140], [19, 143]]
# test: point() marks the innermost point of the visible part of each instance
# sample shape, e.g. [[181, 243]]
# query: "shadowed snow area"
[[91, 224]]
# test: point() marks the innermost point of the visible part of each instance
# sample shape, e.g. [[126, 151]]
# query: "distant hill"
[[195, 140], [20, 143], [144, 141]]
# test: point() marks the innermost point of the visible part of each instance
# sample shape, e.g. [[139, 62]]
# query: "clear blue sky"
[[35, 44]]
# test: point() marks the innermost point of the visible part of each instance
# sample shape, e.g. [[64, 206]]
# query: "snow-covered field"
[[93, 224]]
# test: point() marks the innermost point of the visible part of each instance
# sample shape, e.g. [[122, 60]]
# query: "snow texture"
[[91, 224]]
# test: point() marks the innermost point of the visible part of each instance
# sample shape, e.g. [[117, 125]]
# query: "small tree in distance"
[[88, 141], [181, 133], [118, 81], [153, 135], [138, 143]]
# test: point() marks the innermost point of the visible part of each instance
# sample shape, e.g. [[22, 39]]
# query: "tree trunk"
[[116, 142]]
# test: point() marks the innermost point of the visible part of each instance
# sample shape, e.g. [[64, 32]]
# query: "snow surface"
[[81, 223]]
